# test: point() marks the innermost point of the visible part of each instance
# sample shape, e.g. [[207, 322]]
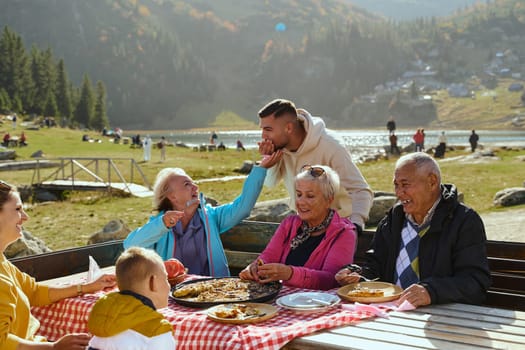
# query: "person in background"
[[136, 141], [419, 140], [213, 138], [5, 141], [393, 144], [23, 140], [307, 249], [473, 140], [19, 291], [13, 119], [442, 146], [128, 319], [146, 145], [304, 139], [391, 125], [188, 229], [240, 146], [429, 243], [162, 146]]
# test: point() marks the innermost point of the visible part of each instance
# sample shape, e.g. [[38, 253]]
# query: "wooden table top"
[[72, 279], [450, 326]]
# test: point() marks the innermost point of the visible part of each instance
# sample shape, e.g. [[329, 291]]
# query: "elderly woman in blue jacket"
[[188, 229]]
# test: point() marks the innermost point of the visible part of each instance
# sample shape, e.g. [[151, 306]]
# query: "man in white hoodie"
[[304, 140]]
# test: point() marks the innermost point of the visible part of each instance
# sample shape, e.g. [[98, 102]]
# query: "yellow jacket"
[[121, 321], [18, 292]]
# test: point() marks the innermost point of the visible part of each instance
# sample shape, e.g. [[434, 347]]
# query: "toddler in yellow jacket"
[[129, 319]]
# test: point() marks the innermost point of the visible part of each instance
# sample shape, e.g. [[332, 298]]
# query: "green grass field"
[[70, 222]]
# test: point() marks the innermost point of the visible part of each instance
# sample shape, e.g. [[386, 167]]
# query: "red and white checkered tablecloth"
[[193, 330]]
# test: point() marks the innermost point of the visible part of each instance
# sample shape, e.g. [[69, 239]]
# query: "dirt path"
[[508, 225]]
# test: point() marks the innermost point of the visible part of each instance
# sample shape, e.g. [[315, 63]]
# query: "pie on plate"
[[366, 292], [239, 313], [213, 291], [370, 292]]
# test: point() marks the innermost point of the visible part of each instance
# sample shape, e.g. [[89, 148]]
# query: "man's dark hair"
[[278, 107]]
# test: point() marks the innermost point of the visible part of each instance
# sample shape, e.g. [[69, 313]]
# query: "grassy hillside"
[[410, 9], [490, 109]]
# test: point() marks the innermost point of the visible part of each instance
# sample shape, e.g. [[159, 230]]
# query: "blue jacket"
[[217, 220]]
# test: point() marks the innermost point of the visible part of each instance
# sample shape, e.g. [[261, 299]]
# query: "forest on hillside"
[[410, 9], [35, 83], [178, 64]]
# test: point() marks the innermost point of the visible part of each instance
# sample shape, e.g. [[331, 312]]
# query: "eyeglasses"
[[315, 171], [5, 186]]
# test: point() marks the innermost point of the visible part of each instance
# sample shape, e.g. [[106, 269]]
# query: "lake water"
[[358, 142]]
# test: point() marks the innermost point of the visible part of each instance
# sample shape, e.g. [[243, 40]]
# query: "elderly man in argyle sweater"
[[429, 243]]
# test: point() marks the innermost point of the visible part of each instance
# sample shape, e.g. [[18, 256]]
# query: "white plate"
[[308, 301]]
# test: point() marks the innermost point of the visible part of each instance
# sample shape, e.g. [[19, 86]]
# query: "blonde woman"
[[188, 229]]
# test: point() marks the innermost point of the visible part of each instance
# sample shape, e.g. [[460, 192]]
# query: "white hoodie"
[[354, 198]]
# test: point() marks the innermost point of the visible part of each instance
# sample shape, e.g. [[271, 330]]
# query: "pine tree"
[[39, 93], [44, 78], [16, 103], [63, 92], [85, 107], [15, 76], [5, 101], [51, 109], [100, 119]]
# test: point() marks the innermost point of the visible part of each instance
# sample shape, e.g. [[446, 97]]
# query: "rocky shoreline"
[[484, 150]]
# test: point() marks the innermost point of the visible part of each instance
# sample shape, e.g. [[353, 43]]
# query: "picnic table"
[[449, 326], [192, 328], [13, 141]]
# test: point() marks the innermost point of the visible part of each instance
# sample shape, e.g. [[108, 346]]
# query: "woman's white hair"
[[161, 187], [328, 182]]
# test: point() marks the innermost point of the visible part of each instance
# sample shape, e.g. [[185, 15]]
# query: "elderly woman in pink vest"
[[309, 248]]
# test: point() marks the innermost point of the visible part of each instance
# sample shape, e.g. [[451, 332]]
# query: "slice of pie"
[[365, 292]]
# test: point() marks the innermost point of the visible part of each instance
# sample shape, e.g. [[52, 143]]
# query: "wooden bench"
[[507, 269], [506, 260], [242, 248], [244, 242], [69, 261]]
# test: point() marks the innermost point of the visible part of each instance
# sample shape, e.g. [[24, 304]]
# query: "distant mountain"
[[412, 9], [171, 64], [174, 64]]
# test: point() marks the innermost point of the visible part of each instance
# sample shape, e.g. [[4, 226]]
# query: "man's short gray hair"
[[422, 162], [161, 187], [328, 182]]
